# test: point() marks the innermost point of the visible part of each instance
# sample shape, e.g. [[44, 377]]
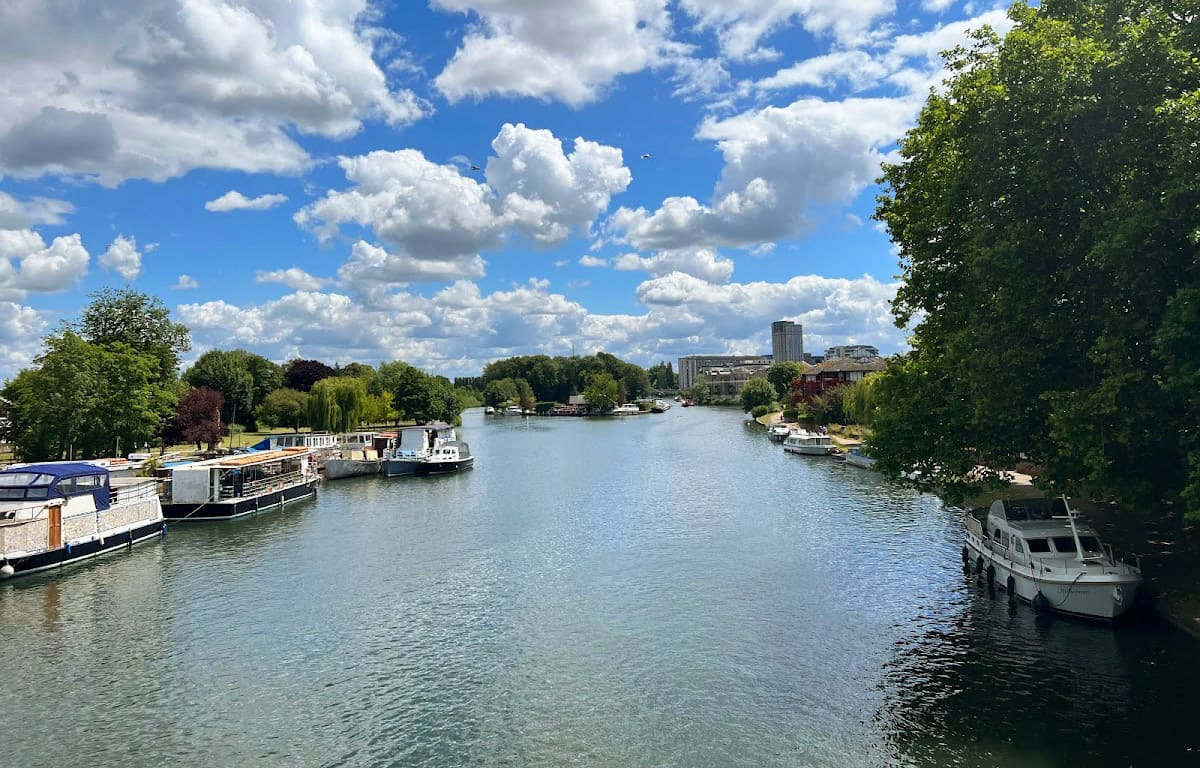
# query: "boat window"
[[1090, 544], [1038, 545], [1016, 545], [1065, 545], [25, 478]]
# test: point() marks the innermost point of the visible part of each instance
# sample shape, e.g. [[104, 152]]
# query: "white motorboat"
[[626, 409], [489, 410], [55, 513], [415, 445], [779, 432], [808, 443], [450, 456], [512, 410], [855, 457], [1037, 551], [660, 406]]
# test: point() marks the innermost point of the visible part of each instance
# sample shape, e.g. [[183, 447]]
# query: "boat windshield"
[[1066, 545], [1034, 509]]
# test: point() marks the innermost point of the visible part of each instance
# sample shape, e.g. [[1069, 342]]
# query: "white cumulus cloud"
[[20, 214], [185, 283], [236, 201], [28, 265], [741, 25], [703, 263], [123, 258], [293, 277]]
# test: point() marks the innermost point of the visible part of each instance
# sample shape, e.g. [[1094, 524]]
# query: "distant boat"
[[356, 457], [512, 410], [489, 410], [808, 443], [660, 406], [450, 456], [626, 409]]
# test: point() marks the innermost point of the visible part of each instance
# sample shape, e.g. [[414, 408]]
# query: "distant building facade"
[[787, 341], [690, 367], [831, 374], [852, 352], [728, 383]]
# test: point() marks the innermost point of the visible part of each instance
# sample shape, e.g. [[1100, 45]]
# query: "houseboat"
[[322, 442], [1038, 551], [413, 446], [232, 486], [808, 443], [357, 455], [56, 513]]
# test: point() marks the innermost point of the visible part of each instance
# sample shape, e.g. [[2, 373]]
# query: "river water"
[[666, 590]]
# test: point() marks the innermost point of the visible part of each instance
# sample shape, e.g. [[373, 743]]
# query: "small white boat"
[[660, 406], [450, 456], [626, 409], [856, 458], [808, 443], [1035, 549], [512, 410], [55, 513], [779, 432], [489, 410], [414, 445]]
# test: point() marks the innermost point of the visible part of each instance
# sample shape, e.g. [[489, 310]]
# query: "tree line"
[[110, 383], [602, 378]]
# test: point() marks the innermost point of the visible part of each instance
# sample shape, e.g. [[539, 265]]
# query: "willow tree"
[[338, 404], [1047, 212]]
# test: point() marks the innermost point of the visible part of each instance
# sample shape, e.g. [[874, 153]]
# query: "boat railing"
[[126, 494], [264, 485]]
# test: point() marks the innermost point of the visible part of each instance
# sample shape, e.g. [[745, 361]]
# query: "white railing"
[[265, 485]]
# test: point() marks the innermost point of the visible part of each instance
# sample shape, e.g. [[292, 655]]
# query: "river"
[[660, 590]]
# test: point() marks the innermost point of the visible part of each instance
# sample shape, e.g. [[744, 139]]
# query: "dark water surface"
[[668, 590]]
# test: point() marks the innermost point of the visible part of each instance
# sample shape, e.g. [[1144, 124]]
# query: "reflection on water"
[[658, 590]]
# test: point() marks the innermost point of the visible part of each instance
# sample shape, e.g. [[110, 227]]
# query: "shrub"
[[791, 414], [760, 410]]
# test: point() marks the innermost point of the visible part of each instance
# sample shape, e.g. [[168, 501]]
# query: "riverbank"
[[1169, 551]]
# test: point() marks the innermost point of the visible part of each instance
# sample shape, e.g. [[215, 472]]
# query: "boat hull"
[[445, 467], [809, 450], [231, 508], [400, 467], [66, 555], [1105, 597], [335, 469], [865, 462]]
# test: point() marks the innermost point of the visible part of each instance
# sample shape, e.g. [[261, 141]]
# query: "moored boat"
[[56, 513], [808, 443], [413, 445], [1037, 551], [449, 456], [779, 432], [232, 486], [489, 410], [626, 409], [855, 457], [660, 406], [356, 456]]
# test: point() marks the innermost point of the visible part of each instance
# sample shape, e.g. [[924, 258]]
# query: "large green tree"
[[782, 374], [338, 404], [141, 321], [601, 392], [1046, 208], [284, 408], [757, 392], [229, 374]]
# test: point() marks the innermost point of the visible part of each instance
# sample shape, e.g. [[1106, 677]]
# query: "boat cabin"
[[318, 441], [245, 475], [1038, 529], [26, 490]]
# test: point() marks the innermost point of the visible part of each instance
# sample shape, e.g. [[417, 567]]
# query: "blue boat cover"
[[66, 470]]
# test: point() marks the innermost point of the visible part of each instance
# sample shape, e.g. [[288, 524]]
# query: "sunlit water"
[[668, 590]]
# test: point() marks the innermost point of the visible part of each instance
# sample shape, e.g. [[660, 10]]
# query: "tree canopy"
[[138, 320], [601, 392], [782, 374], [1045, 207], [757, 392], [284, 408], [301, 374]]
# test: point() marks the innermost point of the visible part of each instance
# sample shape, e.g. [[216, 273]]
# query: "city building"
[[852, 352], [727, 383], [831, 374], [787, 341], [690, 367]]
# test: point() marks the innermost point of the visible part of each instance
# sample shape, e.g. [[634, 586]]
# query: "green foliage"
[[662, 376], [227, 373], [284, 408], [558, 377], [601, 392], [858, 399], [759, 411], [1048, 238], [525, 397], [500, 392], [143, 322], [758, 391], [85, 399], [418, 396], [791, 413], [337, 404], [782, 374], [467, 397], [697, 393], [826, 408]]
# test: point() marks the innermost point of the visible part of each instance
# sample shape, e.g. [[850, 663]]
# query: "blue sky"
[[294, 176]]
